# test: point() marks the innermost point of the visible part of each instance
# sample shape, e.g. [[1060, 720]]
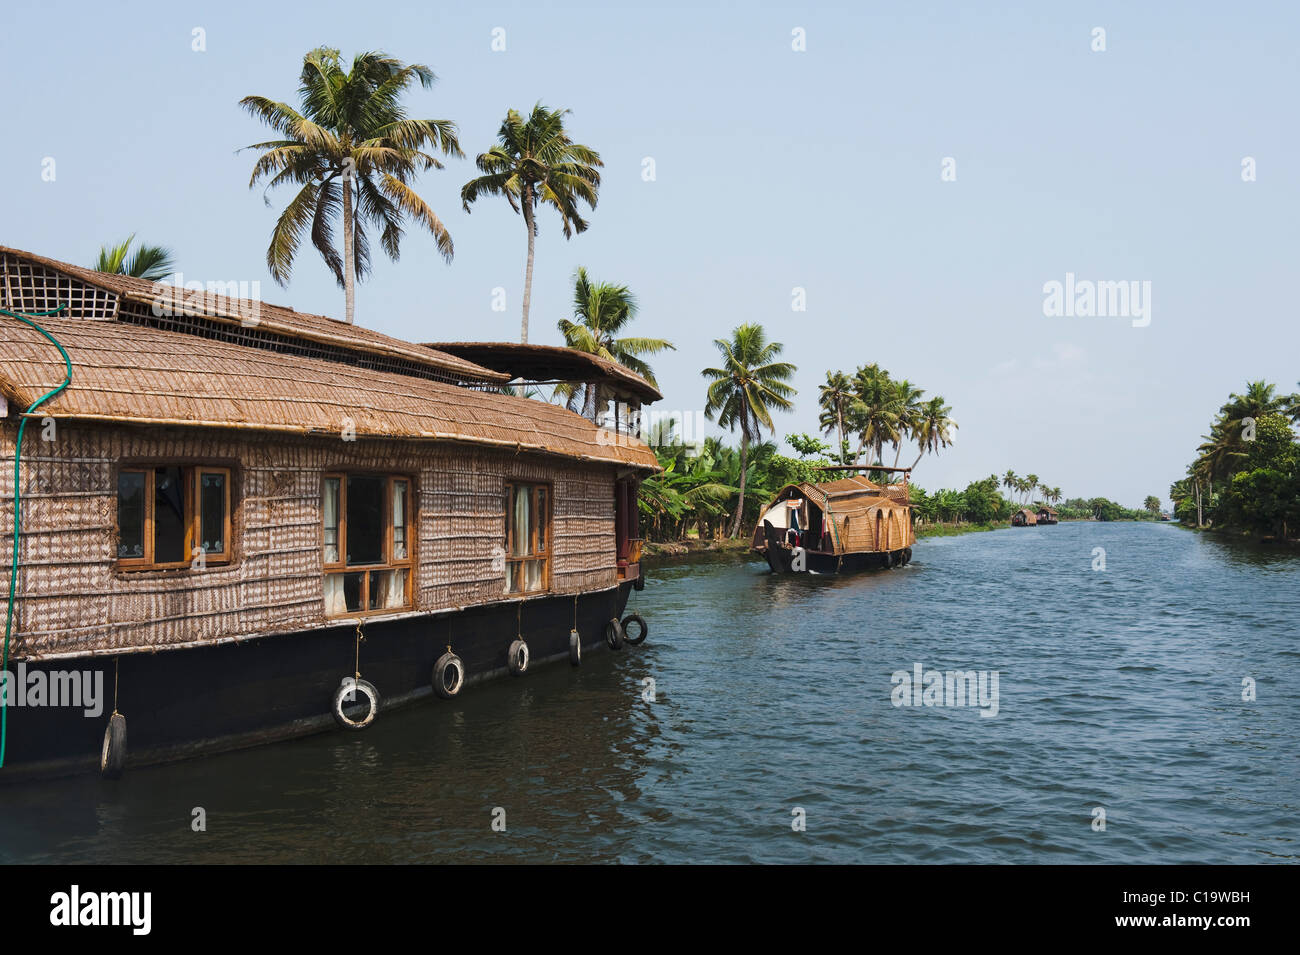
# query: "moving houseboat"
[[1024, 518], [837, 526], [1047, 515], [251, 523]]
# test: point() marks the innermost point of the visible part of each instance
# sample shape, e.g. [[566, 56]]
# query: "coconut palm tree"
[[602, 311], [933, 428], [1259, 399], [874, 411], [354, 152], [152, 262], [745, 390], [1031, 485], [834, 398], [1010, 480], [907, 397], [535, 162]]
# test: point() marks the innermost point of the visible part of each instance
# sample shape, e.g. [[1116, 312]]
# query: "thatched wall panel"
[[74, 599]]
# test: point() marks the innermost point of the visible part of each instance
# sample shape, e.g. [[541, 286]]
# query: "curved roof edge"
[[548, 363]]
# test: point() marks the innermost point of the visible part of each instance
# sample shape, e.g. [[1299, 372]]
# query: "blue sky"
[[775, 169]]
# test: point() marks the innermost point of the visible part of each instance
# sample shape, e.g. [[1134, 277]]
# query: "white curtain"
[[399, 520], [393, 589], [533, 575], [522, 525], [330, 506], [335, 604]]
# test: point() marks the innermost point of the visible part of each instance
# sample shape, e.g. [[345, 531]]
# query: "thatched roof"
[[236, 311], [852, 506], [549, 363], [138, 374]]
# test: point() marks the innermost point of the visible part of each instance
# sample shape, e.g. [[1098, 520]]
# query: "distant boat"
[[838, 526], [1047, 515], [1024, 518]]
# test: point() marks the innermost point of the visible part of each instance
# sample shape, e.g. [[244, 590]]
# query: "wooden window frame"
[[341, 567], [543, 517], [191, 478]]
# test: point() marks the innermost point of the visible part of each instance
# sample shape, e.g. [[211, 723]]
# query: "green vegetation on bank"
[[1246, 476], [700, 490]]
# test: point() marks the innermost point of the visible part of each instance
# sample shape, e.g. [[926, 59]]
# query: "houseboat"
[[1024, 518], [248, 523], [839, 526], [1047, 515]]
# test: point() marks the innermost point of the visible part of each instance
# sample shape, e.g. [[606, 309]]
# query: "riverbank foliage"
[[697, 494], [1246, 475]]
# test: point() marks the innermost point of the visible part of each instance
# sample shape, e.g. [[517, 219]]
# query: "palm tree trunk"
[[349, 256], [920, 454], [527, 201], [839, 420], [740, 505]]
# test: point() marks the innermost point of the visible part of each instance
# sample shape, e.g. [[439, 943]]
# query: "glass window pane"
[[212, 513], [366, 530], [399, 520], [387, 589], [522, 521], [169, 516], [352, 591], [512, 577], [130, 514], [534, 575], [540, 518], [330, 506], [335, 601]]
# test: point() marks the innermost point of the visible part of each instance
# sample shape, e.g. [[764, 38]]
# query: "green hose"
[[18, 452]]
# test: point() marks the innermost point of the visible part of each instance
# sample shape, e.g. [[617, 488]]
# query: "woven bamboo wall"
[[859, 530], [73, 600]]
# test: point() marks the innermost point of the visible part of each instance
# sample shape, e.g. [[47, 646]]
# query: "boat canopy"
[[847, 516]]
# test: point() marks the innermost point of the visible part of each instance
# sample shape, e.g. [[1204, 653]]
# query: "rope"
[[18, 453], [357, 667]]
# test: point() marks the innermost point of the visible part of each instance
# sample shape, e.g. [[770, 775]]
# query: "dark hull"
[[185, 702], [781, 561]]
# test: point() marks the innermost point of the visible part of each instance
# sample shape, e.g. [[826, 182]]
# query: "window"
[[367, 543], [528, 538], [167, 516]]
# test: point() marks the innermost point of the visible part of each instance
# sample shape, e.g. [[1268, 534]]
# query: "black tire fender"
[[113, 755], [347, 692], [518, 658], [643, 629], [448, 675], [614, 634], [575, 648]]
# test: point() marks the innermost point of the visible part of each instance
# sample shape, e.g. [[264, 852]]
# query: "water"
[[1119, 689]]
